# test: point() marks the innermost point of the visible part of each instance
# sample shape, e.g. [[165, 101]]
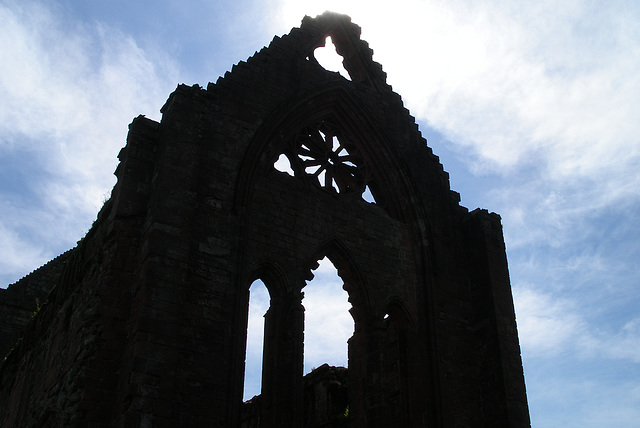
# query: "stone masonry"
[[260, 175]]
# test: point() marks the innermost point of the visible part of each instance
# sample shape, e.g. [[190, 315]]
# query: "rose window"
[[323, 155]]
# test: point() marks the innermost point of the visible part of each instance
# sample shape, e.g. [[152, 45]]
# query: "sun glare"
[[329, 58]]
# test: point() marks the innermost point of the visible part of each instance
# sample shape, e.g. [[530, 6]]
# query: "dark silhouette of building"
[[259, 176]]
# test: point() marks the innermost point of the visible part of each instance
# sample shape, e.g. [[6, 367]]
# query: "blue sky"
[[533, 108]]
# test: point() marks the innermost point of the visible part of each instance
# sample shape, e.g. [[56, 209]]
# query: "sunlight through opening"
[[329, 58]]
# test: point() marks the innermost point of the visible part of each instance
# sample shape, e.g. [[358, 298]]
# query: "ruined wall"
[[326, 400], [147, 326], [20, 301]]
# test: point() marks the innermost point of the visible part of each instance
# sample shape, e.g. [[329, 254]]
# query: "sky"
[[533, 108]]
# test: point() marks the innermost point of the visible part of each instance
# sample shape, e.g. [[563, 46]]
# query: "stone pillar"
[[395, 372], [377, 413], [282, 385], [366, 375], [357, 378]]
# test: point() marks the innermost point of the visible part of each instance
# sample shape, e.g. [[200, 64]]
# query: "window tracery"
[[325, 156]]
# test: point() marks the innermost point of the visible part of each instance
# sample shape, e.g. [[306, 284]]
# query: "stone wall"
[[326, 400]]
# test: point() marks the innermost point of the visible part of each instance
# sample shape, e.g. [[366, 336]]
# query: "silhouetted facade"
[[260, 175]]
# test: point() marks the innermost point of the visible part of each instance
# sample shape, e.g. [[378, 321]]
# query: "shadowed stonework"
[[275, 166]]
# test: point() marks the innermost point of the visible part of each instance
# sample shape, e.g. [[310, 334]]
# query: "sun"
[[361, 11]]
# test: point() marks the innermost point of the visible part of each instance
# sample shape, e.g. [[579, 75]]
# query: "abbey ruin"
[[144, 323]]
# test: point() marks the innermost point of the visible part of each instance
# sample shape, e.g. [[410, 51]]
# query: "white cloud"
[[546, 325], [68, 90], [550, 326], [548, 88]]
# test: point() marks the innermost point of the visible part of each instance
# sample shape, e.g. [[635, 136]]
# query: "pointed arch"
[[386, 139], [348, 271], [400, 313], [273, 277], [258, 305], [328, 323], [283, 348], [390, 183]]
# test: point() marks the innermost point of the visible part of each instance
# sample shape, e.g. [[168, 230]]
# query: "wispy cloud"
[[625, 344], [538, 99], [68, 90], [514, 93], [547, 325], [550, 326]]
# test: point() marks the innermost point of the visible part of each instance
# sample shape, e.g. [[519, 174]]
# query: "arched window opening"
[[258, 306], [328, 323], [329, 58]]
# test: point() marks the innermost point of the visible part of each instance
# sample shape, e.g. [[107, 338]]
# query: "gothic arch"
[[273, 277], [400, 313], [348, 270], [394, 191]]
